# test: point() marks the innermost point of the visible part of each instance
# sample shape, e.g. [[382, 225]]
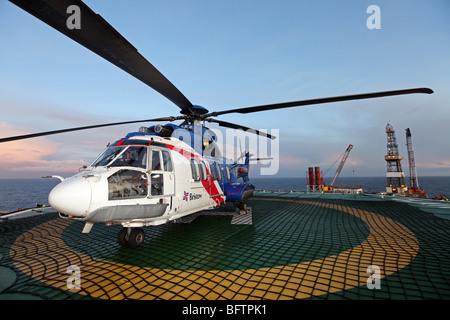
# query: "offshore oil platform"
[[395, 184], [395, 175]]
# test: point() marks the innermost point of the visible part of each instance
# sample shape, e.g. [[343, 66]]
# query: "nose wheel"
[[131, 237]]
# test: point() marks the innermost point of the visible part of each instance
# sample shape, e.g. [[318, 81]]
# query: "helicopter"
[[159, 173]]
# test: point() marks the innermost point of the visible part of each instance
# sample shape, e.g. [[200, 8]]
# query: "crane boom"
[[341, 165], [415, 190], [412, 165]]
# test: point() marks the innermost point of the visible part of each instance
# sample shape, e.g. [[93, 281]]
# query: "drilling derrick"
[[395, 175], [414, 189]]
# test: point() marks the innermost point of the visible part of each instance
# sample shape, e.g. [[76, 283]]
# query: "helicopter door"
[[161, 176], [169, 176]]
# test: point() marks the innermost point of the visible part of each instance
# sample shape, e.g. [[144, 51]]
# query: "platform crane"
[[414, 189], [338, 171]]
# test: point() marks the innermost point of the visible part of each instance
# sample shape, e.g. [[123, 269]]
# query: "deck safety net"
[[296, 247]]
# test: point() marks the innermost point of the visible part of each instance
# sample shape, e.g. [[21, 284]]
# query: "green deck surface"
[[288, 230]]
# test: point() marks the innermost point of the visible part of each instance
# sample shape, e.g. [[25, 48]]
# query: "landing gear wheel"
[[136, 237], [241, 207], [123, 237]]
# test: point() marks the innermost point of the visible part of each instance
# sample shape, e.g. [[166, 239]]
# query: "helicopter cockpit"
[[132, 180], [123, 156]]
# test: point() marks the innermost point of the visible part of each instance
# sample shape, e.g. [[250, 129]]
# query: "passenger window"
[[212, 168], [167, 161], [219, 172], [195, 170], [203, 171], [156, 161], [228, 172]]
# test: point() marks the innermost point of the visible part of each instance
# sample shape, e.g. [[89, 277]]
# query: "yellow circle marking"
[[42, 254]]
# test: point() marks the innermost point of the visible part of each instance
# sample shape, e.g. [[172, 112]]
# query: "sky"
[[231, 54]]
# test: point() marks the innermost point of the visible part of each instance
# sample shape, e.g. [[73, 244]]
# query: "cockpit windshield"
[[123, 156], [133, 156], [107, 156]]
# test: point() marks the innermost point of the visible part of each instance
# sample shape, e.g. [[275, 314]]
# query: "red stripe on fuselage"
[[211, 189]]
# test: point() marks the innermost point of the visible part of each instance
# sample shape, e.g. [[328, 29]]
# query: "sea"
[[27, 193]]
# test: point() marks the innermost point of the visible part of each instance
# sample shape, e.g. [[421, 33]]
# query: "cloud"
[[61, 154], [32, 155], [438, 164]]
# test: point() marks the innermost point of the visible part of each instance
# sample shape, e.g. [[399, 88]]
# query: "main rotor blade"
[[47, 133], [100, 37], [321, 100], [237, 126]]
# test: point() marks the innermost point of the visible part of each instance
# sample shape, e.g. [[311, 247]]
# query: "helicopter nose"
[[71, 197]]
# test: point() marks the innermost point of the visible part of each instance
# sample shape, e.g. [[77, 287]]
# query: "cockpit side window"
[[126, 184], [167, 161], [157, 184], [156, 161]]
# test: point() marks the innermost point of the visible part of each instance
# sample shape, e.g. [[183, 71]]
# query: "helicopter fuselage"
[[145, 180]]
